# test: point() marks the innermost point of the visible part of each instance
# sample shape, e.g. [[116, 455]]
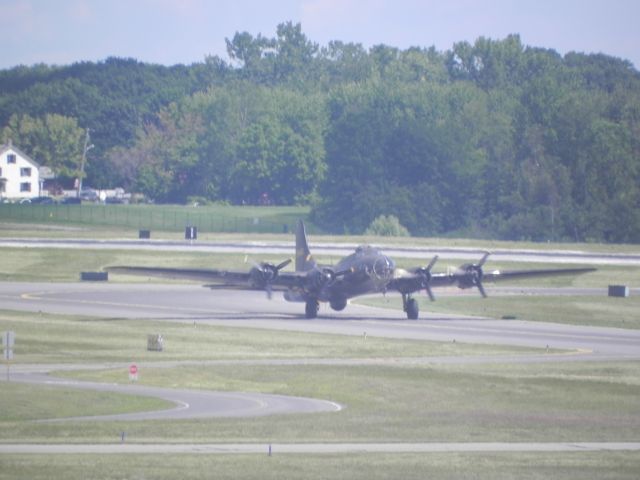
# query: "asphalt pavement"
[[193, 303]]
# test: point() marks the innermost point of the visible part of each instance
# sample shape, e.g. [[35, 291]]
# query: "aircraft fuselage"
[[365, 271]]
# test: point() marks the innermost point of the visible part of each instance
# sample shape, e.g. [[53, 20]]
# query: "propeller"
[[472, 275], [263, 274], [425, 272]]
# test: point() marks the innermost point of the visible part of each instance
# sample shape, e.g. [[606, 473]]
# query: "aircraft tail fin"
[[304, 260]]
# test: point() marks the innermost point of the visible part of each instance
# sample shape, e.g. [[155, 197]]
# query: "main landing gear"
[[311, 308], [410, 306]]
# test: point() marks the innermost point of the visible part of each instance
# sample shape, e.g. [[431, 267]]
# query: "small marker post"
[[133, 373], [8, 341]]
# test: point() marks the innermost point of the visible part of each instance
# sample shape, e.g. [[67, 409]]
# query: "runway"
[[193, 303]]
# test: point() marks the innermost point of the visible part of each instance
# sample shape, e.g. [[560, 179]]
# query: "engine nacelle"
[[261, 275], [319, 279], [469, 276]]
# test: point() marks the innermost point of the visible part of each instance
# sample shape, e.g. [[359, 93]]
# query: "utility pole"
[[86, 148]]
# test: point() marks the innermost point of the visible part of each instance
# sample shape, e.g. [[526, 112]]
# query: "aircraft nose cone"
[[382, 267]]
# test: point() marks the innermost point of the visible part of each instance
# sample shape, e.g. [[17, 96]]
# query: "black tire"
[[338, 304], [311, 309], [412, 309]]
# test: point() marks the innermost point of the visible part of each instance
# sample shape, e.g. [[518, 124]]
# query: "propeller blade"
[[264, 273], [432, 263], [280, 266], [428, 287], [430, 293], [481, 274], [482, 290], [426, 277]]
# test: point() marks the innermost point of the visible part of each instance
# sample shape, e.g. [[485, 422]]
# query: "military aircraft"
[[365, 271]]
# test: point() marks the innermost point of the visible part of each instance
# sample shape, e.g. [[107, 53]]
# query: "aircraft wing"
[[467, 276], [497, 275], [264, 276], [196, 274]]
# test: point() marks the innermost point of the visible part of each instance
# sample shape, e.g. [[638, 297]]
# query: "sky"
[[168, 32]]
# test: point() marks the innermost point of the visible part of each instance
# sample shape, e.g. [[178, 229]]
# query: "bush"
[[387, 226]]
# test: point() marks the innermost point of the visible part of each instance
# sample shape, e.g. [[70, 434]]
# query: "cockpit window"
[[366, 250], [369, 260]]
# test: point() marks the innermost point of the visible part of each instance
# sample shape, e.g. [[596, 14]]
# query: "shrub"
[[387, 226]]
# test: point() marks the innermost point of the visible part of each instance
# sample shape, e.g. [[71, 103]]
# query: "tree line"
[[493, 139]]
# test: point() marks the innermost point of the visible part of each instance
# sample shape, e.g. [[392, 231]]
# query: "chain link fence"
[[158, 217]]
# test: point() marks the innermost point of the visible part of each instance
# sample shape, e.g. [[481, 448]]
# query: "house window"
[[25, 172], [25, 187], [11, 158]]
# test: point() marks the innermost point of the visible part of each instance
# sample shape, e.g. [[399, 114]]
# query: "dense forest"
[[492, 139]]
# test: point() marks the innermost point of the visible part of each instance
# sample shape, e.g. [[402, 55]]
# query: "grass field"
[[50, 339], [391, 401], [600, 311], [170, 218], [60, 264], [222, 222], [453, 466]]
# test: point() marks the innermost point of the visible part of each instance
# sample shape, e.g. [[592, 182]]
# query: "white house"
[[19, 174]]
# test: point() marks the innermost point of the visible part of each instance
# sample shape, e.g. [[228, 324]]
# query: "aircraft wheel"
[[412, 309], [311, 308], [338, 304]]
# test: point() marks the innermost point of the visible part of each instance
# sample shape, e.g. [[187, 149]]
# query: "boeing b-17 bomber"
[[364, 272]]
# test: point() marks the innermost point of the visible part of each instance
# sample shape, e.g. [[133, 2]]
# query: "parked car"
[[89, 194], [43, 200], [71, 201]]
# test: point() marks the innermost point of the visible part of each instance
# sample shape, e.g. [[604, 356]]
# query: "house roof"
[[6, 147]]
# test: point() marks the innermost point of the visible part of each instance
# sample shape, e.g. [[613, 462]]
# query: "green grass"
[[598, 311], [386, 402], [458, 466], [20, 403], [65, 264], [588, 401], [172, 218], [43, 338], [436, 403], [223, 222]]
